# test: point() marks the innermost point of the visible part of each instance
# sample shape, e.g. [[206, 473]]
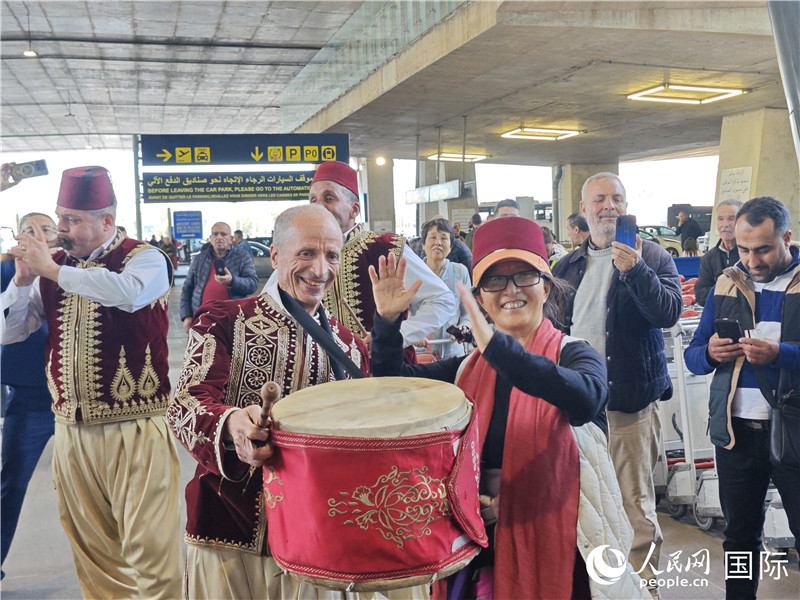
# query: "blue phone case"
[[626, 230]]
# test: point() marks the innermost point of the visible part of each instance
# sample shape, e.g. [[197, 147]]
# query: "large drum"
[[375, 483]]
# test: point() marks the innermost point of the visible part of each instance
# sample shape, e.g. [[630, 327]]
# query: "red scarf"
[[539, 483]]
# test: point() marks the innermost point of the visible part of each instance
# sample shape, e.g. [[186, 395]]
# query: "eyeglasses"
[[498, 283], [46, 229]]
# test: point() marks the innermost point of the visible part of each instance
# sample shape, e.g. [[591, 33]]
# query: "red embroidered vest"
[[353, 287], [105, 364]]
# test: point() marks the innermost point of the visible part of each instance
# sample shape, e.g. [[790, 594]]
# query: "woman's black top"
[[578, 385]]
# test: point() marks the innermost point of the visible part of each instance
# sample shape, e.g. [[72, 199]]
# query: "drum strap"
[[323, 336]]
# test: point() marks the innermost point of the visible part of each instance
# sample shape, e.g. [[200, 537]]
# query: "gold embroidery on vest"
[[123, 386], [148, 380], [51, 383], [259, 354], [184, 408]]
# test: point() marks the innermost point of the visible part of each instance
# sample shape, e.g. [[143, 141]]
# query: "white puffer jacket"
[[601, 518]]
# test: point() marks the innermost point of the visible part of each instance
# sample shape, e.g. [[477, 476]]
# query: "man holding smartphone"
[[220, 272], [626, 293], [760, 293]]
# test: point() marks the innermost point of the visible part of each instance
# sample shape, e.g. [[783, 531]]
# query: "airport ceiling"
[[109, 69]]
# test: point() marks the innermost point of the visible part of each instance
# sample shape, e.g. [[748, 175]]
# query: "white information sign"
[[735, 184]]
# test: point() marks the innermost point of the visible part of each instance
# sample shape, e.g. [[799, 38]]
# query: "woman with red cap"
[[548, 490]]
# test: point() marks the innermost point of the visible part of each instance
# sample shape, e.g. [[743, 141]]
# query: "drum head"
[[374, 407]]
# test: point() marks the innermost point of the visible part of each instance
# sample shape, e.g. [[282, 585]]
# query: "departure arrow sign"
[[165, 154], [257, 155]]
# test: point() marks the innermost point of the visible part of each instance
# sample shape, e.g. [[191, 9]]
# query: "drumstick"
[[270, 394]]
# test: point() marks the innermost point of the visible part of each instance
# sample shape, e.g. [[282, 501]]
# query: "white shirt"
[[143, 280], [431, 307]]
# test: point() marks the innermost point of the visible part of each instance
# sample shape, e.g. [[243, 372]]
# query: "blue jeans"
[[25, 434], [744, 474]]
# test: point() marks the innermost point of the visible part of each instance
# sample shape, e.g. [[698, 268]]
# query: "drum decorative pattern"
[[400, 505], [403, 510]]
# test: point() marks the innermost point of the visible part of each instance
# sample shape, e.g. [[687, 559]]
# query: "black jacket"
[[639, 304], [712, 264], [689, 229]]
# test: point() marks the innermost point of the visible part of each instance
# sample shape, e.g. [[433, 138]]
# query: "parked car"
[[671, 245], [702, 243], [659, 230], [261, 259]]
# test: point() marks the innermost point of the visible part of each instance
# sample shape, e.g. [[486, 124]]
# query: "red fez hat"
[[339, 172], [508, 238], [86, 188]]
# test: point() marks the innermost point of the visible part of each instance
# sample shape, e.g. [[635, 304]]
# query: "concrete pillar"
[[380, 195], [429, 176], [757, 158], [569, 190]]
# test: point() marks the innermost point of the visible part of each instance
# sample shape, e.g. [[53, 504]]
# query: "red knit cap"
[[339, 172], [86, 188], [508, 238]]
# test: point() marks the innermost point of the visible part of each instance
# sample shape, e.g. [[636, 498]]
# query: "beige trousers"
[[216, 574], [117, 486], [634, 445]]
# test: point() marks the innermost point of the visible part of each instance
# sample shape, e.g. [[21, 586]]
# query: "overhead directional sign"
[[246, 149], [225, 187]]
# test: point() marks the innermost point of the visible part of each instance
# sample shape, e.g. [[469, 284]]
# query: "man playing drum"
[[236, 346]]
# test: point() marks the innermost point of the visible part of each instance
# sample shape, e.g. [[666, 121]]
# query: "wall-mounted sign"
[[450, 190], [187, 224], [247, 149], [225, 187]]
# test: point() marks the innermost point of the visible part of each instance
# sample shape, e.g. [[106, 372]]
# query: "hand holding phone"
[[728, 328], [219, 266], [721, 352], [626, 230]]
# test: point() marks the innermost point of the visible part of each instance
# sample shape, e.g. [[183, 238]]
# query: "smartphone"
[[219, 266], [33, 168], [728, 328], [626, 230]]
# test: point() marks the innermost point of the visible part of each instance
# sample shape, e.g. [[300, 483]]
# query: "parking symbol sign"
[[329, 153], [293, 153], [310, 153]]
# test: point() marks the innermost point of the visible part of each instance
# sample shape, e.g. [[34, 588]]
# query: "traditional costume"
[[234, 348], [350, 299], [115, 465]]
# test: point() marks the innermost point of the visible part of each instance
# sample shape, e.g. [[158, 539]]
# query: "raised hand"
[[389, 289], [481, 330]]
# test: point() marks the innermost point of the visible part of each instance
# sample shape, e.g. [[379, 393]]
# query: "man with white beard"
[[624, 297]]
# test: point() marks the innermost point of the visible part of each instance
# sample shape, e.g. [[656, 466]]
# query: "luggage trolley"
[[689, 483]]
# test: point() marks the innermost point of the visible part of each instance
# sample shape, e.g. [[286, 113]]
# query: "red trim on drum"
[[422, 570], [288, 439]]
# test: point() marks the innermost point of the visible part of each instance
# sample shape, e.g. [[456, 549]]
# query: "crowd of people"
[[564, 370]]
